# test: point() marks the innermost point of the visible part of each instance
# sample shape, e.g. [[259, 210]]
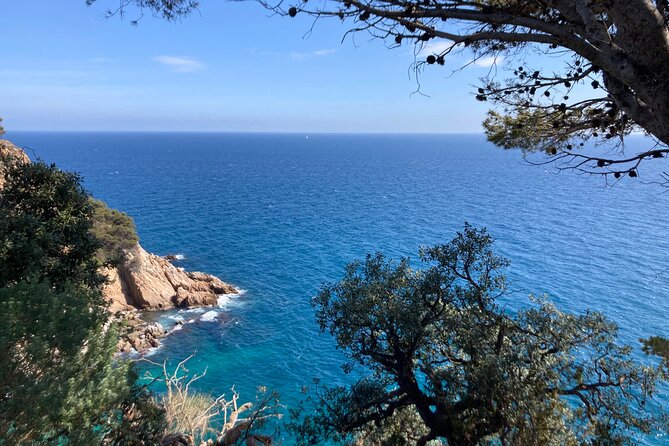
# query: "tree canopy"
[[448, 361], [615, 78], [57, 374], [166, 9]]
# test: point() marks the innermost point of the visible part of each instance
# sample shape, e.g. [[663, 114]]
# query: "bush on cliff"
[[114, 230], [203, 417]]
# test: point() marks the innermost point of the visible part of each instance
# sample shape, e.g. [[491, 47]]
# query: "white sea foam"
[[209, 316], [176, 317], [225, 299], [179, 256], [152, 351], [193, 310]]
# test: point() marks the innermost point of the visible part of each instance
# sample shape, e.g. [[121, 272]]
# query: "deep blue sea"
[[277, 215]]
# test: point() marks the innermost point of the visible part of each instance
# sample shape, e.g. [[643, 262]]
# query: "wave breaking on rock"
[[146, 282]]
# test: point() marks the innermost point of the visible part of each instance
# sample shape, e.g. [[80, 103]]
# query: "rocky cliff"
[[145, 281], [9, 153]]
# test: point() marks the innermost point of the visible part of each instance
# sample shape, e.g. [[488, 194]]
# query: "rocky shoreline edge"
[[141, 282], [146, 282]]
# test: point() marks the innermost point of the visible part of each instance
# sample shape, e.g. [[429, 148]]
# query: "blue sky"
[[230, 67]]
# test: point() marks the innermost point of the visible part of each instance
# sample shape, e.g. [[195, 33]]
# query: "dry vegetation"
[[203, 419]]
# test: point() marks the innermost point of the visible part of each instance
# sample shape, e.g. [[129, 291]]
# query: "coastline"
[[144, 282], [141, 281]]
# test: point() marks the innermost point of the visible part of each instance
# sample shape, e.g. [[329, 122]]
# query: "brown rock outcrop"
[[146, 281], [116, 293], [147, 284], [9, 153]]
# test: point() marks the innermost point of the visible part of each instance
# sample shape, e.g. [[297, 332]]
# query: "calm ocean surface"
[[277, 215]]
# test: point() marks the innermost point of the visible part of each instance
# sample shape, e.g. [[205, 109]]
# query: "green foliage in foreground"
[[2, 129], [59, 381], [448, 363], [114, 230], [139, 421], [659, 346], [58, 378], [45, 222]]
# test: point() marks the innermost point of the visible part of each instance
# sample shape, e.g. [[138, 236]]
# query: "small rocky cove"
[[147, 282], [142, 282]]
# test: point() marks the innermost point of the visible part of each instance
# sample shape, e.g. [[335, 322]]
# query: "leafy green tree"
[[140, 421], [440, 346], [658, 346], [45, 224], [2, 129]]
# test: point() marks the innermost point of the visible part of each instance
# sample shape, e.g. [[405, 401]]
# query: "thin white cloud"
[[318, 53], [488, 61], [180, 64], [436, 47], [327, 52], [296, 55]]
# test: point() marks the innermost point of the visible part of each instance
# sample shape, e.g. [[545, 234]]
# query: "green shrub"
[[114, 230], [45, 222]]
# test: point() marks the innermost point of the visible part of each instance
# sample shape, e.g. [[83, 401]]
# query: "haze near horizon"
[[228, 67]]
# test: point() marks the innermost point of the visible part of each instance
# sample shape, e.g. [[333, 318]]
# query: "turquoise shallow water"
[[279, 214]]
